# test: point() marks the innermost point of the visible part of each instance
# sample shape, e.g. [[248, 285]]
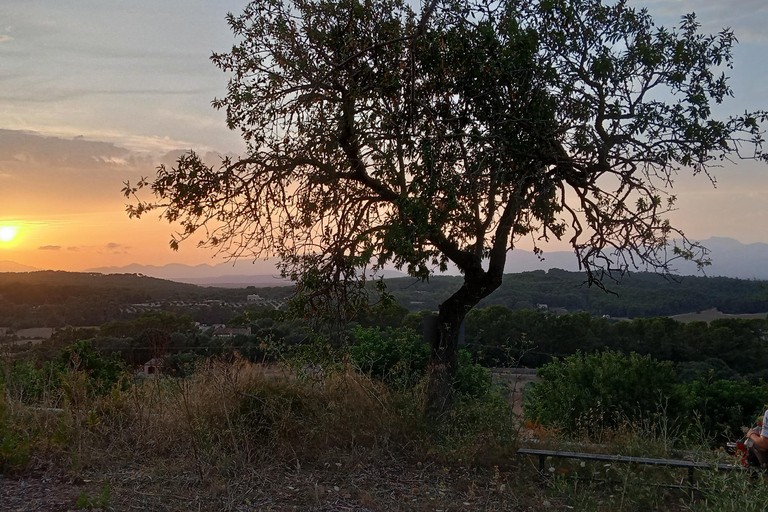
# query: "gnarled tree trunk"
[[445, 344]]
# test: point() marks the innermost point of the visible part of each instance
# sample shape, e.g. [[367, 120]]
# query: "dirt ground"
[[516, 379], [41, 491], [342, 486]]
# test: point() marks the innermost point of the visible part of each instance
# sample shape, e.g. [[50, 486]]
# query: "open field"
[[713, 314]]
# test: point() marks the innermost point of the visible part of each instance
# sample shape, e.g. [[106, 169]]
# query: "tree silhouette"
[[376, 135]]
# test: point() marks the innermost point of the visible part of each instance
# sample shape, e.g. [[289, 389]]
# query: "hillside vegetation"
[[328, 429], [640, 294], [253, 421], [57, 299]]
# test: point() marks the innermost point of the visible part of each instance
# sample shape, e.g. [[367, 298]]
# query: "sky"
[[94, 93]]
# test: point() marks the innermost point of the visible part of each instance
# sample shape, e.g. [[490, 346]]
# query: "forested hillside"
[[638, 295], [55, 299]]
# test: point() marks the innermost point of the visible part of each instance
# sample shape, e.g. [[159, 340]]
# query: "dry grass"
[[239, 436], [244, 437]]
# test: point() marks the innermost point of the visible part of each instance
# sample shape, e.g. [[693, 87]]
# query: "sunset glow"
[[8, 233], [62, 167]]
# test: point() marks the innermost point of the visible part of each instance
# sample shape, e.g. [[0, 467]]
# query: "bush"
[[399, 357], [396, 356], [731, 491], [14, 448], [472, 379], [26, 383], [723, 406], [590, 393], [103, 372]]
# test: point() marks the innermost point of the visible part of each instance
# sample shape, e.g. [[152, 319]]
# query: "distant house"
[[542, 307], [230, 332], [254, 298], [153, 368]]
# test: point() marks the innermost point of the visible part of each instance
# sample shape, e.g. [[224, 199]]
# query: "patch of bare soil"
[[328, 487], [42, 491]]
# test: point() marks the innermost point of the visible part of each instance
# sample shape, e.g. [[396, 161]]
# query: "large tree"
[[378, 135]]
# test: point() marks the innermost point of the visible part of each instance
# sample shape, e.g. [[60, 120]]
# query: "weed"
[[102, 500]]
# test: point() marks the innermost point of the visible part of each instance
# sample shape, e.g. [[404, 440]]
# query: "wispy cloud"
[[116, 248], [50, 248], [28, 148], [746, 16]]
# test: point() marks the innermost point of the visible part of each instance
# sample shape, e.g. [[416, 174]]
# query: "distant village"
[[36, 335]]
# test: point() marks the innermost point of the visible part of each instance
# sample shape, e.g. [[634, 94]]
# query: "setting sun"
[[8, 233]]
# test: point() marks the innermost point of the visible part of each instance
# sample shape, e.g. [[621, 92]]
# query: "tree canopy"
[[378, 135]]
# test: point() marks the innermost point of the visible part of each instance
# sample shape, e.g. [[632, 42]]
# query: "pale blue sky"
[[138, 72], [130, 72]]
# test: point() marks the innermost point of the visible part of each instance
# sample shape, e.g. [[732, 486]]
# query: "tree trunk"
[[445, 345]]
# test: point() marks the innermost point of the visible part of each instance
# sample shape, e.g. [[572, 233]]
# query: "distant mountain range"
[[224, 275], [730, 258], [12, 266]]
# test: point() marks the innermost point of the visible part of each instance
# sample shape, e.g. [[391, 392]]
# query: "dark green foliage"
[[400, 358], [722, 407], [710, 369], [588, 394], [591, 393], [397, 356], [384, 316], [472, 380], [641, 294], [159, 320], [103, 372], [732, 348], [27, 383], [14, 447]]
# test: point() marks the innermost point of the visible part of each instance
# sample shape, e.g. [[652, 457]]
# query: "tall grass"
[[231, 420], [235, 414]]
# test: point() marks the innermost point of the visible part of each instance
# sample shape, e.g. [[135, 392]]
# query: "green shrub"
[[723, 406], [590, 393], [731, 491], [472, 380], [400, 357], [14, 447], [26, 383], [396, 356], [103, 372]]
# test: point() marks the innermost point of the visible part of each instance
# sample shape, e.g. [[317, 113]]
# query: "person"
[[759, 435]]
